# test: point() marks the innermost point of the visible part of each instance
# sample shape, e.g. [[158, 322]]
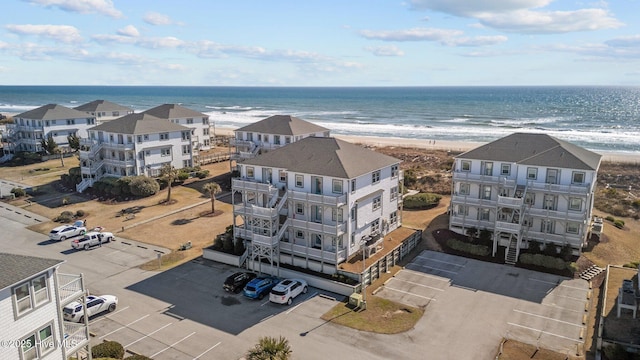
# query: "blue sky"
[[320, 43]]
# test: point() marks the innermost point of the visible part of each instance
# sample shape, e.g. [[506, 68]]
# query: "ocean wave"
[[234, 107]]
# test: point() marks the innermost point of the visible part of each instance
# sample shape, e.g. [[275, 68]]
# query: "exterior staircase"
[[591, 272], [511, 256]]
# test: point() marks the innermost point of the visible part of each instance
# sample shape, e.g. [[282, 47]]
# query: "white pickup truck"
[[92, 238]]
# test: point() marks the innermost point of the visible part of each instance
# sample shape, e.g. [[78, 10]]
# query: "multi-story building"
[[31, 127], [33, 294], [196, 121], [104, 110], [525, 187], [135, 144], [314, 202], [272, 133]]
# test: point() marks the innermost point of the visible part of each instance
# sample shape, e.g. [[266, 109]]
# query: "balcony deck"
[[69, 287]]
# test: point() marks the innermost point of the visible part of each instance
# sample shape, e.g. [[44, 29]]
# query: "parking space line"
[[418, 284], [432, 268], [172, 345], [546, 332], [442, 261], [406, 292], [574, 287], [209, 349], [146, 336], [265, 303], [544, 281], [108, 316], [564, 308], [571, 297], [122, 327], [427, 275], [548, 318]]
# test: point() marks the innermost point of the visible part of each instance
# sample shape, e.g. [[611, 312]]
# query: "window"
[[577, 177], [71, 122], [394, 171], [465, 189], [115, 113], [189, 120], [250, 136], [488, 169], [465, 165], [353, 239], [572, 228], [186, 135], [375, 225], [527, 221], [486, 192], [146, 137], [337, 186], [300, 208], [552, 176], [287, 139], [547, 226], [205, 131], [337, 241], [317, 241], [276, 139], [250, 172], [549, 202], [129, 139], [259, 137], [38, 344], [186, 149], [31, 294], [462, 210], [377, 203], [299, 180], [266, 138], [532, 173], [393, 217], [337, 215], [282, 175], [299, 234], [23, 298], [111, 138], [205, 121], [147, 153], [393, 193], [165, 152], [530, 199], [40, 290], [164, 136], [575, 204], [185, 163], [375, 177], [353, 185], [316, 213], [505, 169], [483, 214]]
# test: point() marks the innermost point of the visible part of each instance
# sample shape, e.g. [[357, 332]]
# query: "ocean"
[[603, 119]]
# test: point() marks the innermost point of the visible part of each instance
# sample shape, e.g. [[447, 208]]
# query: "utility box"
[[355, 300]]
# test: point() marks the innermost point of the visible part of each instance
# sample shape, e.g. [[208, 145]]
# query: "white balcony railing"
[[328, 254], [331, 229], [253, 185], [331, 200], [510, 201], [508, 227], [582, 189], [467, 176], [70, 287], [75, 336], [573, 239]]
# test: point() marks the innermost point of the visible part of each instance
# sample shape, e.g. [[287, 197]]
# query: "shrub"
[[421, 201], [144, 186], [202, 174], [18, 192], [218, 243], [550, 262], [618, 223], [566, 252], [472, 249], [610, 218], [182, 176], [410, 178], [633, 264], [227, 244], [108, 349], [238, 248], [80, 213], [550, 249], [65, 217], [535, 247]]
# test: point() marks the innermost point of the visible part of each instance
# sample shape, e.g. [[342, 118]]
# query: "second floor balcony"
[[70, 287], [330, 200]]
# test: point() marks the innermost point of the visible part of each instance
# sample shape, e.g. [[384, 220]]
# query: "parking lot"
[[465, 298]]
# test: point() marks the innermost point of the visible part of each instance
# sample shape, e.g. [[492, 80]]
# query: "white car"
[[287, 290], [64, 232], [95, 305], [92, 238]]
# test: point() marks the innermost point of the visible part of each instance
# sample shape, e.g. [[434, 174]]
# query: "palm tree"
[[269, 348], [212, 189], [168, 173]]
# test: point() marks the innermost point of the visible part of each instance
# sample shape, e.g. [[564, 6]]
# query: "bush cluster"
[[421, 201], [25, 158], [479, 250], [65, 217], [541, 260], [18, 192], [139, 186], [108, 349], [225, 243]]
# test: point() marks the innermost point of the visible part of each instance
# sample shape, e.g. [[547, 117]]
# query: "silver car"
[[287, 290], [64, 232], [95, 305]]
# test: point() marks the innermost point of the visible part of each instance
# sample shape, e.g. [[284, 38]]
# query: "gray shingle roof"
[[536, 149], [53, 112], [283, 125], [139, 123], [16, 268], [102, 105], [324, 156], [174, 111]]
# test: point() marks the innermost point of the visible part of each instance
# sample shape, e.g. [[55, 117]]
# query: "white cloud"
[[104, 7], [625, 41], [173, 67], [155, 18], [385, 50], [162, 42], [129, 30], [61, 33], [550, 22], [476, 40], [519, 15], [415, 34]]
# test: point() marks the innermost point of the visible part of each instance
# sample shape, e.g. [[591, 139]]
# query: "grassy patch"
[[381, 316], [166, 261]]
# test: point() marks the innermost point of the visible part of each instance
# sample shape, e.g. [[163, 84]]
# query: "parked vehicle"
[[95, 305], [237, 281], [287, 290], [259, 287], [90, 239], [67, 231]]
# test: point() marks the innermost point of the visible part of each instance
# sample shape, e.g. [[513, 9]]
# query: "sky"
[[320, 42]]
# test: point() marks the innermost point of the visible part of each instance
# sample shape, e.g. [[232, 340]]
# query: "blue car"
[[260, 286]]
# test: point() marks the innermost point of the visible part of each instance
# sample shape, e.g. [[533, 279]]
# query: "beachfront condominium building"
[[135, 144], [59, 122], [33, 294], [272, 133], [196, 121], [524, 188], [104, 110], [313, 203]]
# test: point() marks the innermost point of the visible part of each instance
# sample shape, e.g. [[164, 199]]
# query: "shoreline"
[[446, 145]]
